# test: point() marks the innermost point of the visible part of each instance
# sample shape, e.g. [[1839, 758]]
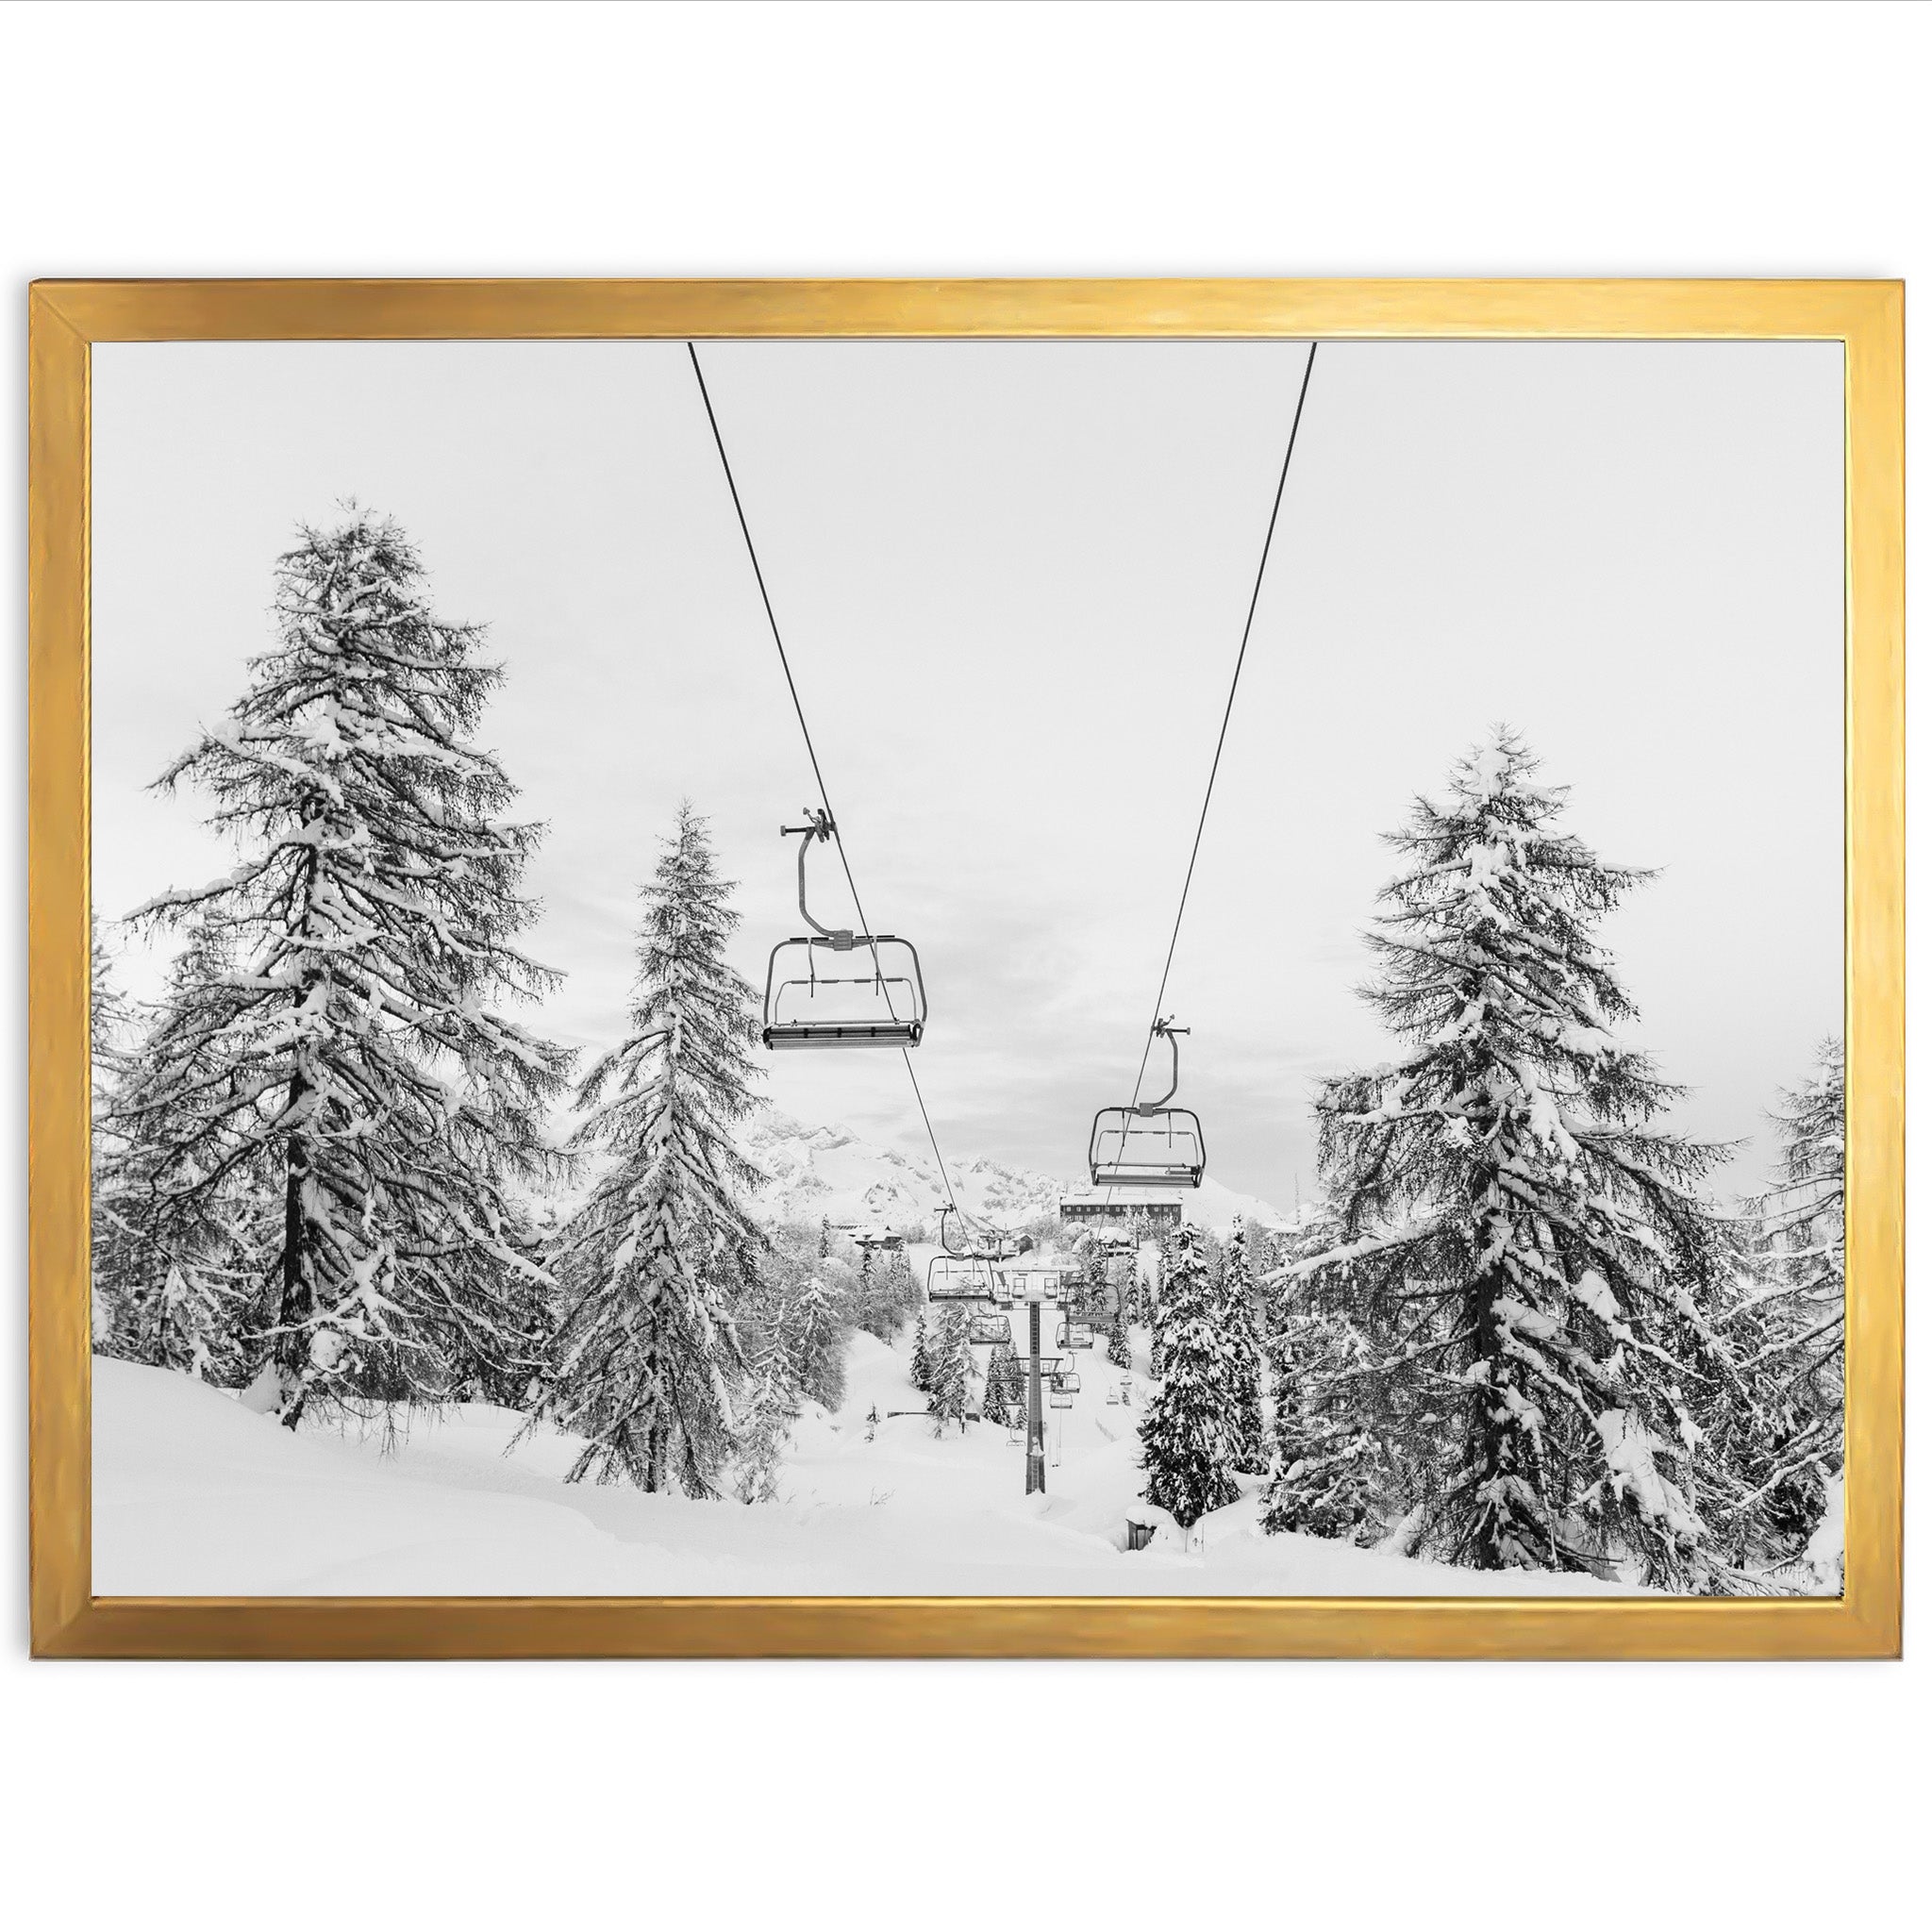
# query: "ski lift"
[[810, 1002], [988, 1330], [988, 1253], [961, 1278], [989, 1247], [1074, 1334], [1149, 1144], [1066, 1382]]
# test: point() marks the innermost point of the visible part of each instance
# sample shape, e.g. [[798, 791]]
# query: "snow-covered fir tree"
[[816, 1333], [1120, 1336], [878, 1301], [922, 1354], [1151, 1280], [1236, 1299], [950, 1359], [1094, 1299], [332, 1120], [116, 1259], [769, 1412], [1805, 1219], [1189, 1441], [1328, 1467], [178, 1275], [646, 1357], [1529, 1254], [1788, 1325], [1001, 1386]]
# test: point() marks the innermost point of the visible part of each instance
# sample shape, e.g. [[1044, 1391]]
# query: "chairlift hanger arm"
[[1166, 1029], [818, 825]]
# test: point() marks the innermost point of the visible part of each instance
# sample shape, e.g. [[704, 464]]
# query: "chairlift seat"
[[958, 1278], [807, 1006], [1142, 1147]]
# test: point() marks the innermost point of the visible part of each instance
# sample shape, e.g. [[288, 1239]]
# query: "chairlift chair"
[[988, 1254], [989, 1329], [1066, 1382], [1149, 1144], [818, 992], [961, 1278], [1074, 1334]]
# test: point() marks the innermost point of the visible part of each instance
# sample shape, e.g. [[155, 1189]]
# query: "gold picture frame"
[[66, 318]]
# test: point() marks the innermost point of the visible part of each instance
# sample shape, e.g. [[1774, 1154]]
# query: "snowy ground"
[[195, 1495]]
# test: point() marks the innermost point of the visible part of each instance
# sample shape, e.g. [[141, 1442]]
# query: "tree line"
[[1519, 1332], [324, 1157]]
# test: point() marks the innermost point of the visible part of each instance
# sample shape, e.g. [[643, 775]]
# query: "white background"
[[553, 140]]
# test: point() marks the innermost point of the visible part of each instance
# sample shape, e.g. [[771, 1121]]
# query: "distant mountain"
[[826, 1170], [1215, 1206]]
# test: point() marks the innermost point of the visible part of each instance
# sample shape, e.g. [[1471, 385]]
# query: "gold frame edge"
[[67, 317]]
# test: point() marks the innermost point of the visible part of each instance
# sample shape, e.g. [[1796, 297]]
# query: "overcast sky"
[[1011, 578]]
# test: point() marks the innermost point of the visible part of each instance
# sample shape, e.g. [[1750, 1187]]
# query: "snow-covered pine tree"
[[647, 1356], [1095, 1303], [329, 1095], [1530, 1257], [1806, 1217], [770, 1410], [951, 1362], [1001, 1385], [1152, 1278], [115, 1260], [1786, 1429], [922, 1354], [816, 1335], [878, 1303], [1120, 1338], [1328, 1465], [1189, 1442], [178, 1262], [1237, 1297]]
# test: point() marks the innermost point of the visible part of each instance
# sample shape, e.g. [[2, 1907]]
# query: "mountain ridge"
[[824, 1170]]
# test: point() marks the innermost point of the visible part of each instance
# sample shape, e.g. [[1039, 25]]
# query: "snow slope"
[[195, 1495], [826, 1171]]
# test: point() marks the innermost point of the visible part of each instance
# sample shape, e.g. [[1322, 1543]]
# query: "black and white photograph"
[[895, 968]]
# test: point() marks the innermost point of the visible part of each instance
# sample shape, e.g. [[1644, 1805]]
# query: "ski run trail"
[[195, 1495]]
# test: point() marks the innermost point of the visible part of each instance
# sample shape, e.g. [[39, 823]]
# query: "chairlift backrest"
[[836, 988], [961, 1278], [1132, 1148]]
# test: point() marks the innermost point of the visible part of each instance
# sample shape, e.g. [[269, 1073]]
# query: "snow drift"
[[195, 1495]]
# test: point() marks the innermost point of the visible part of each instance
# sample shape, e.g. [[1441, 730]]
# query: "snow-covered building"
[[1117, 1206]]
